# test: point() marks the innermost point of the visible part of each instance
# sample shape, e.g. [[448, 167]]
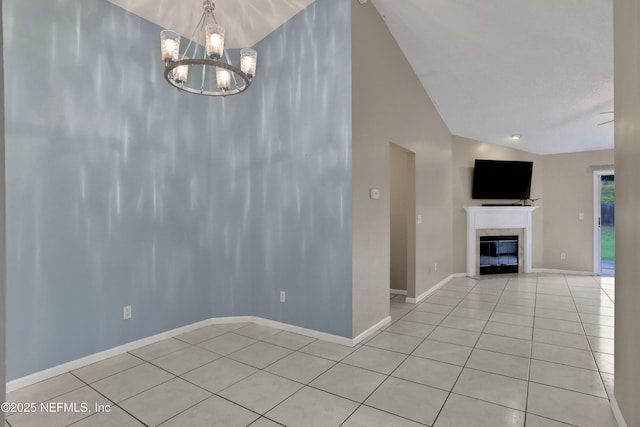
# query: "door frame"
[[410, 216], [597, 229]]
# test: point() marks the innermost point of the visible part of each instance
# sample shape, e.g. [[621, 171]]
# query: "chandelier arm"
[[168, 76], [204, 71], [210, 13], [213, 16], [195, 49]]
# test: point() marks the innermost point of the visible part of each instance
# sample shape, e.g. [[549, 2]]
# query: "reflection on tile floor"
[[500, 351]]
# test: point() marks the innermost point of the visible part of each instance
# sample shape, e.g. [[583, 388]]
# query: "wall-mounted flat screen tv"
[[502, 180]]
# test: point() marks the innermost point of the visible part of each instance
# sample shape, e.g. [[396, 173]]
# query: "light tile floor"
[[500, 351]]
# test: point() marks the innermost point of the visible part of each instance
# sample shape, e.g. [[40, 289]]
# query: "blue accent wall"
[[121, 190], [301, 180]]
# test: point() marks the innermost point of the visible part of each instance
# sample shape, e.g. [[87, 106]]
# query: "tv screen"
[[502, 179]]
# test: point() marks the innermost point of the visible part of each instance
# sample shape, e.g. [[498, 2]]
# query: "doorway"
[[604, 223], [403, 221]]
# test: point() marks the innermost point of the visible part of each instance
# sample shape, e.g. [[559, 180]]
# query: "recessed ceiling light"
[[516, 137]]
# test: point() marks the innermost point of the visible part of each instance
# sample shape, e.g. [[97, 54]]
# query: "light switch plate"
[[374, 193]]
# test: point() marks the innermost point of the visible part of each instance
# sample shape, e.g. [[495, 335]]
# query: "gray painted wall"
[[120, 190]]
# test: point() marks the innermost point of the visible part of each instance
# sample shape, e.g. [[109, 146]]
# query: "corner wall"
[[465, 152], [563, 183], [627, 158], [390, 105], [122, 190], [568, 191], [300, 137]]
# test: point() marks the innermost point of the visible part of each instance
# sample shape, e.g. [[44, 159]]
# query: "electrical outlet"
[[563, 255], [435, 267], [283, 296], [126, 312], [581, 216]]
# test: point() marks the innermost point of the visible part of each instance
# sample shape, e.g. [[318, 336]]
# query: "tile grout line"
[[230, 385], [190, 345], [562, 388], [492, 312], [387, 376], [390, 375], [591, 347], [471, 353], [460, 373], [533, 330]]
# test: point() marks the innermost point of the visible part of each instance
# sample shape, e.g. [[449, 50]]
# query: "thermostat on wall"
[[374, 193]]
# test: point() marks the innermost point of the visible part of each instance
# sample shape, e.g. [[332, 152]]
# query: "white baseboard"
[[372, 330], [97, 357], [304, 331], [434, 288], [397, 291], [617, 413], [556, 271]]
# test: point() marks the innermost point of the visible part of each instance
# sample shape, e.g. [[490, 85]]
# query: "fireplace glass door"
[[498, 254]]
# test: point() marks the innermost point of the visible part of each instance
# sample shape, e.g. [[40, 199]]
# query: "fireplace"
[[499, 221], [498, 254]]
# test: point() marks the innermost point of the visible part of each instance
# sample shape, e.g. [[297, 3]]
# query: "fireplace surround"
[[499, 221]]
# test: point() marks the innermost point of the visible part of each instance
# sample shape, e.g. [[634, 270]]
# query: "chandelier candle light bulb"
[[215, 41], [223, 78], [181, 73], [170, 45], [248, 61], [205, 51]]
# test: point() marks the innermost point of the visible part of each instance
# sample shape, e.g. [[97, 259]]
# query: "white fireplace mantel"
[[497, 217]]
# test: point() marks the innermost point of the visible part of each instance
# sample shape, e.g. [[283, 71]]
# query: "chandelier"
[[204, 68]]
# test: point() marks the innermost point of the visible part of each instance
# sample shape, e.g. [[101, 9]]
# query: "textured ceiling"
[[246, 22], [542, 69]]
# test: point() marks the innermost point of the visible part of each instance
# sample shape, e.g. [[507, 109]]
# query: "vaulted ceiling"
[[246, 22], [540, 69]]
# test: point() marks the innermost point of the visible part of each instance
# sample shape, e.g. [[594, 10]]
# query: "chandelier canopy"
[[204, 67]]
